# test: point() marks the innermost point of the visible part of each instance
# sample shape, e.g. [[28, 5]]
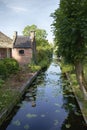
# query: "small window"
[[21, 52]]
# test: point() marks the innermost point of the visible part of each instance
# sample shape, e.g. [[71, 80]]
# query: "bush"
[[1, 82], [44, 64], [33, 67], [12, 65], [44, 54], [3, 70], [66, 67]]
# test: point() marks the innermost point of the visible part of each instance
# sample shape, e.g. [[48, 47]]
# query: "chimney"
[[33, 44], [32, 35], [14, 38], [15, 35]]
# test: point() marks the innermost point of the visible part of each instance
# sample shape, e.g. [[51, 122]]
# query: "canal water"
[[48, 104]]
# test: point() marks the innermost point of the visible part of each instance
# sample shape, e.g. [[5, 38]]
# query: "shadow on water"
[[74, 118], [48, 104]]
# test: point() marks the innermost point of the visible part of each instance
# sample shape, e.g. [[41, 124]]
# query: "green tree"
[[70, 30], [41, 34], [44, 49]]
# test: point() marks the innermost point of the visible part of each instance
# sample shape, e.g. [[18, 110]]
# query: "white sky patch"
[[18, 9], [21, 13]]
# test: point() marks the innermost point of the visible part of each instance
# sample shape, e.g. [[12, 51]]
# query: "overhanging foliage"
[[70, 29]]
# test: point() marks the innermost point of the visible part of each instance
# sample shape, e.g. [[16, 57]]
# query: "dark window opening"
[[21, 52]]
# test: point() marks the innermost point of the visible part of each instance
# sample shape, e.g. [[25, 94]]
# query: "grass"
[[76, 88], [66, 67], [74, 84], [10, 88], [6, 98], [85, 70]]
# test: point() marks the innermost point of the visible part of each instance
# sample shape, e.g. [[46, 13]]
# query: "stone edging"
[[79, 103], [6, 112]]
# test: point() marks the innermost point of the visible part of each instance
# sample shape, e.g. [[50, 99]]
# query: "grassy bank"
[[69, 69], [9, 87], [12, 77]]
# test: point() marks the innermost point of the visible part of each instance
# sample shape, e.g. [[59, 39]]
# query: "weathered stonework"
[[21, 48], [24, 48], [22, 58], [11, 106], [5, 46]]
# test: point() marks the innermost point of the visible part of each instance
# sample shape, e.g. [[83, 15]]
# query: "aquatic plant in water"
[[42, 115], [67, 125], [56, 104], [31, 115], [26, 127], [56, 122], [57, 111], [17, 123]]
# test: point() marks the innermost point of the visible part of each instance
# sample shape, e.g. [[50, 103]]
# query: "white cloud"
[[26, 12], [18, 9]]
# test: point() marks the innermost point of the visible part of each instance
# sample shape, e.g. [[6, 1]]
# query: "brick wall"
[[23, 56]]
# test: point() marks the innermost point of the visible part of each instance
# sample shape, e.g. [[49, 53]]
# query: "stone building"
[[24, 48], [5, 46], [21, 48]]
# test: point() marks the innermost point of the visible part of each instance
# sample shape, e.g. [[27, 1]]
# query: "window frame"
[[21, 52]]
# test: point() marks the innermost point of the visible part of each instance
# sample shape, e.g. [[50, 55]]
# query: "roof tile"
[[22, 42]]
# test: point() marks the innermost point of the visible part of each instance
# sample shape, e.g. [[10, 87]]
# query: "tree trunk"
[[80, 78]]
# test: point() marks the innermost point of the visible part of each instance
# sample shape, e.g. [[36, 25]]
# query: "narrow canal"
[[48, 104]]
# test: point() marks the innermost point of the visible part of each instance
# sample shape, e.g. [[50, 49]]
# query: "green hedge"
[[11, 65], [8, 66], [44, 54], [3, 70], [33, 68]]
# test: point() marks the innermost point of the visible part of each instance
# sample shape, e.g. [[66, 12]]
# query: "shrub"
[[11, 65], [1, 82], [44, 54], [3, 70], [66, 67], [33, 67]]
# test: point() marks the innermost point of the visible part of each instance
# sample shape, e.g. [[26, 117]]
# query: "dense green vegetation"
[[70, 30], [7, 97], [40, 34], [8, 66], [43, 48], [85, 69], [44, 55], [69, 69]]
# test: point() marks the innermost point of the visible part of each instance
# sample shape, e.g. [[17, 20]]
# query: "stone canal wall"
[[5, 113], [79, 102]]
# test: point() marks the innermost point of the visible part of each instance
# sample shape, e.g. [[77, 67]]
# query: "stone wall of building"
[[22, 55], [3, 53]]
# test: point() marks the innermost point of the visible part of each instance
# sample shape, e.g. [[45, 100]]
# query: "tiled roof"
[[22, 42], [5, 41]]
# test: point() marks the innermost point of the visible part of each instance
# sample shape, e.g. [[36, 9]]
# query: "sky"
[[15, 15]]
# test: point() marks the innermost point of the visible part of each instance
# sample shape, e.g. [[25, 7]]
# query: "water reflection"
[[48, 104], [74, 118]]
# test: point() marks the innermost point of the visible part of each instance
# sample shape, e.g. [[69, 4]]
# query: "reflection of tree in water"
[[73, 122], [32, 92], [40, 79], [30, 96], [74, 118]]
